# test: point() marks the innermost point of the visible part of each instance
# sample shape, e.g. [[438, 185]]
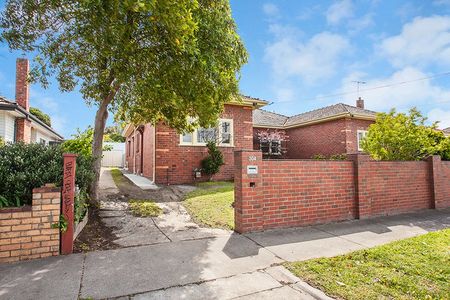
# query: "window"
[[42, 141], [223, 134], [361, 134]]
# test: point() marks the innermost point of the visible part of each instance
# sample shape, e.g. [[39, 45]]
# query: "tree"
[[398, 136], [41, 116], [113, 134], [149, 60]]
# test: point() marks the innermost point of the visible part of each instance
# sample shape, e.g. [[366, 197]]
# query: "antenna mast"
[[358, 84]]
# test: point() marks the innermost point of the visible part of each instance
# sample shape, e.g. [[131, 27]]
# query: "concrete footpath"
[[225, 267]]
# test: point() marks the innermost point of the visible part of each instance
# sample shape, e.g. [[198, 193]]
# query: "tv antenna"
[[358, 84]]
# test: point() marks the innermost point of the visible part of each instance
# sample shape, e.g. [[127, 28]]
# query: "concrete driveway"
[[224, 267]]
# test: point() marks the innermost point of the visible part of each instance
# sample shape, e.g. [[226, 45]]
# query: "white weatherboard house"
[[16, 121]]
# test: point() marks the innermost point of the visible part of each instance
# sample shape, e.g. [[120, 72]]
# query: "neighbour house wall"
[[288, 193], [7, 126], [26, 232], [175, 163]]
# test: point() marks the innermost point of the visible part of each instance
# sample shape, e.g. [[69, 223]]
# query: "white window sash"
[[195, 141], [360, 134]]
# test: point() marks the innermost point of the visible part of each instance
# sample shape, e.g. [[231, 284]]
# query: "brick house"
[[164, 156], [16, 121], [335, 129]]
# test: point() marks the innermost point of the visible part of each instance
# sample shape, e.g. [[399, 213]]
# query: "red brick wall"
[[328, 138], [289, 193], [300, 192], [325, 138], [175, 163], [26, 233], [397, 187]]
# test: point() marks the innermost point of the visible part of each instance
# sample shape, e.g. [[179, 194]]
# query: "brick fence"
[[289, 193], [26, 232]]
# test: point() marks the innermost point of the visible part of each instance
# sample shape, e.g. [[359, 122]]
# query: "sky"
[[308, 54]]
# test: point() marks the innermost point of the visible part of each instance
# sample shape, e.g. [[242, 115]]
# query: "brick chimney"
[[360, 103], [22, 85], [23, 125]]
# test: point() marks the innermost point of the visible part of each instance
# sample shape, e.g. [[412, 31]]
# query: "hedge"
[[27, 166]]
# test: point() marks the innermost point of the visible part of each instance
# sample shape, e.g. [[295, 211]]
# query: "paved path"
[[225, 267]]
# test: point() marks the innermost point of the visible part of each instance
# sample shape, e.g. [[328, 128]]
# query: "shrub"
[[27, 166], [399, 136], [212, 163]]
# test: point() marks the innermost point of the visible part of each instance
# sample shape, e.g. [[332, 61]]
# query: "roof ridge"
[[274, 113], [317, 109]]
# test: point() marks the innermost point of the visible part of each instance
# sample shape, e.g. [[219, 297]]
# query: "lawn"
[[117, 176], [415, 268], [211, 204]]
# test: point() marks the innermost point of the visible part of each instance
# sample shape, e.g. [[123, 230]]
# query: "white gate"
[[115, 157]]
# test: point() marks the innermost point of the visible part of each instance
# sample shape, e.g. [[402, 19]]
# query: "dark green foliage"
[[24, 167], [212, 163], [41, 116], [27, 166]]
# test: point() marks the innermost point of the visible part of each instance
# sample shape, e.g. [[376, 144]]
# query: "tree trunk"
[[99, 129], [97, 147]]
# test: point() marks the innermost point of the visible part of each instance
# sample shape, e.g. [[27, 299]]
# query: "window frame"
[[358, 139], [195, 142]]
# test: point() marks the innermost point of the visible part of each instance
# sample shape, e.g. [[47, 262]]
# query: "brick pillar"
[[22, 85], [248, 197], [437, 189], [68, 197], [362, 195], [23, 130]]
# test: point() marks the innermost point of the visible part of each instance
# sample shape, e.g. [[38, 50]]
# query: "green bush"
[[41, 116], [212, 163], [27, 166]]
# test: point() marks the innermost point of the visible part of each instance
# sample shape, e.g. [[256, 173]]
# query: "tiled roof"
[[265, 118], [3, 100], [446, 130]]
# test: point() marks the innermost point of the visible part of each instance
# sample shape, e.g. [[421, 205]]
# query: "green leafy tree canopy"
[[149, 60], [41, 116], [399, 136]]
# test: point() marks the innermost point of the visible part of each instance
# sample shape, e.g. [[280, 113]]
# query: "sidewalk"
[[225, 267]]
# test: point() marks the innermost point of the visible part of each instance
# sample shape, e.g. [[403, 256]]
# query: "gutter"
[[28, 116], [335, 117]]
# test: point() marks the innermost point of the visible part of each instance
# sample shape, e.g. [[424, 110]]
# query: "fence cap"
[[70, 155]]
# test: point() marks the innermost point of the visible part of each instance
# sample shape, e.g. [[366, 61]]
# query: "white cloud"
[[284, 94], [404, 96], [441, 116], [423, 41], [314, 59], [271, 10], [339, 11], [359, 24]]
